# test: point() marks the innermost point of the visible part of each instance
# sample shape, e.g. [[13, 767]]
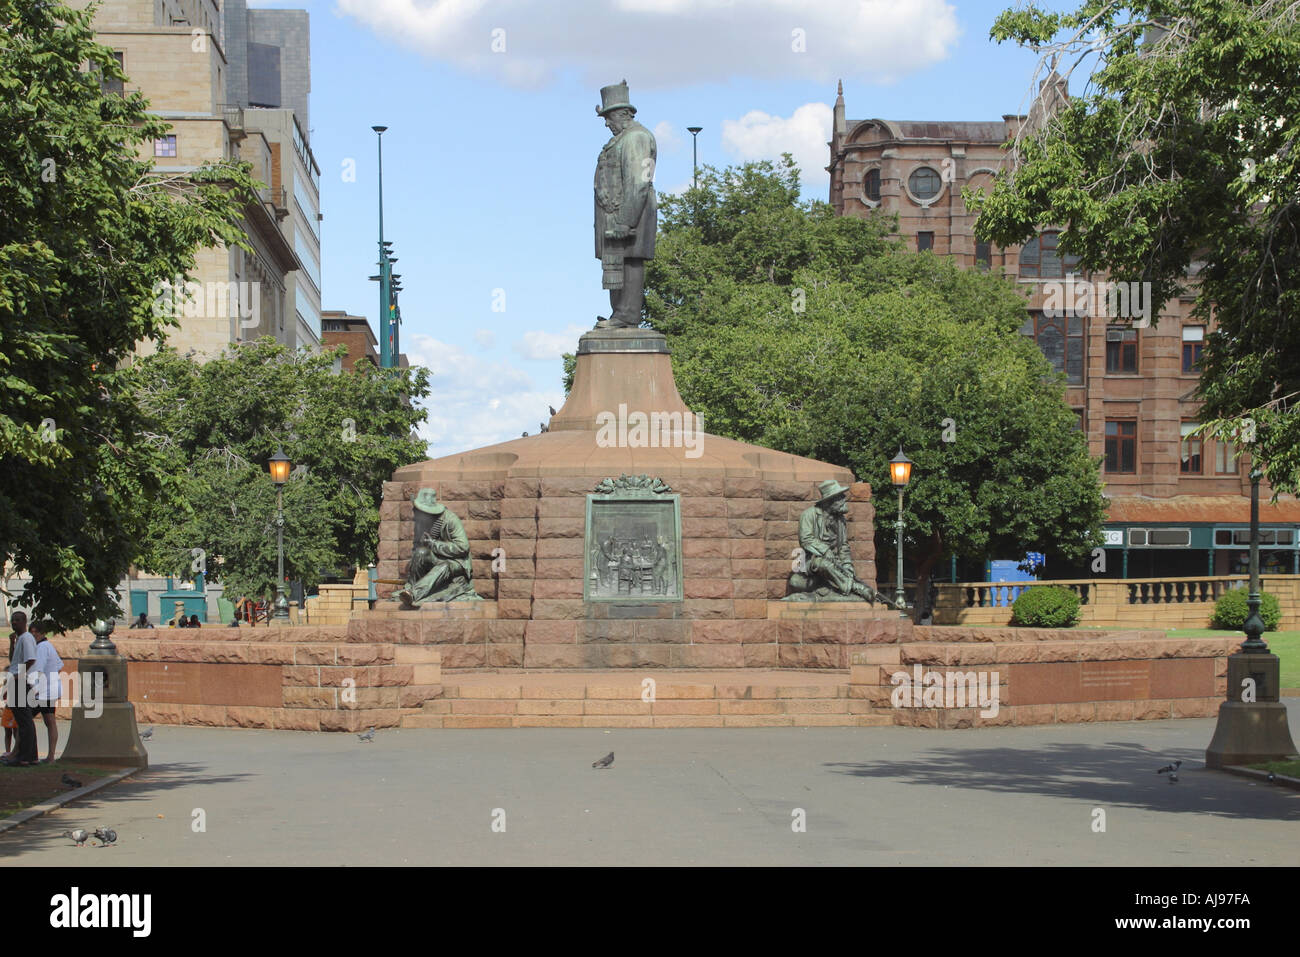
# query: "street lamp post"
[[279, 465], [1254, 624], [900, 473], [1252, 726], [695, 155]]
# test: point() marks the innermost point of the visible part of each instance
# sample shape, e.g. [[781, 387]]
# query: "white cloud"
[[670, 43], [485, 338], [537, 344], [666, 138], [474, 402], [758, 136], [680, 188]]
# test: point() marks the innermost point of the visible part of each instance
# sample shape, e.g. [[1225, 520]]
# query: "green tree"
[[218, 422], [87, 229], [1180, 158], [812, 333]]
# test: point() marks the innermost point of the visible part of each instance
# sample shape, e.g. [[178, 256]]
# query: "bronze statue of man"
[[827, 565], [440, 568], [626, 214]]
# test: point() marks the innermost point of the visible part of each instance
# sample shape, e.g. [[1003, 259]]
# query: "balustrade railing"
[[1003, 594], [1132, 591]]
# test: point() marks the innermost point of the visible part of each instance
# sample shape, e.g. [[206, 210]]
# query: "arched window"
[[871, 184], [1039, 258]]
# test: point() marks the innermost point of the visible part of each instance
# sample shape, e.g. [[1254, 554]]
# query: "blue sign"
[[1011, 570]]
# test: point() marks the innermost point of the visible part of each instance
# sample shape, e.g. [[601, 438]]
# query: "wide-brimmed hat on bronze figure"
[[426, 500], [613, 98], [831, 490]]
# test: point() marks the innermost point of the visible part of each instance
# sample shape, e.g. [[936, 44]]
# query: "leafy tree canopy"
[[1179, 158], [218, 423], [87, 229], [816, 334]]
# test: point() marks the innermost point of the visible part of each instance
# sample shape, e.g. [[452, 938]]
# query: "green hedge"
[[1046, 606], [1230, 610]]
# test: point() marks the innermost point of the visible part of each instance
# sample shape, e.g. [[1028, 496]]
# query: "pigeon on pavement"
[[78, 836], [106, 835], [604, 762], [70, 781], [369, 735], [1171, 768], [146, 734]]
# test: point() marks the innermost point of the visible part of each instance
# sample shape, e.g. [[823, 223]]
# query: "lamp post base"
[[1251, 732], [110, 736]]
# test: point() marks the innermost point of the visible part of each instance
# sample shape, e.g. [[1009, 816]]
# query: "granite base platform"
[[391, 671]]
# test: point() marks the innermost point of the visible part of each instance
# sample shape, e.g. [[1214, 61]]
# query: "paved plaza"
[[870, 796]]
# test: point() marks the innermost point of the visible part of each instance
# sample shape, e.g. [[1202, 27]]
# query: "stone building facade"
[[1178, 505], [233, 83]]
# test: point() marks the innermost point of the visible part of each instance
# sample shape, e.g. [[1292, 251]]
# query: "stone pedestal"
[[1251, 732], [534, 509], [111, 736], [631, 367]]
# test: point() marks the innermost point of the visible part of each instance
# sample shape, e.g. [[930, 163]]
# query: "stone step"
[[604, 699], [421, 721], [646, 721]]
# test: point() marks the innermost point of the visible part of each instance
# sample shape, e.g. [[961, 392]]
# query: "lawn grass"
[[1290, 768], [1284, 644]]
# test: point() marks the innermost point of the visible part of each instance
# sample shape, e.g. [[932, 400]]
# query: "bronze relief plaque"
[[633, 542]]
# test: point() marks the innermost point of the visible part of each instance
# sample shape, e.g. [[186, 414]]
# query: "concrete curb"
[[1280, 780], [54, 803]]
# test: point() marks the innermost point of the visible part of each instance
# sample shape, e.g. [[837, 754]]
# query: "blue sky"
[[489, 155]]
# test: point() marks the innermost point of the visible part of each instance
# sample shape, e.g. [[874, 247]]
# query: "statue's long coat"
[[625, 192]]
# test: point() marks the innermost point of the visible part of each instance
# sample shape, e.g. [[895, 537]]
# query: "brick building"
[[340, 329], [1179, 505], [233, 83]]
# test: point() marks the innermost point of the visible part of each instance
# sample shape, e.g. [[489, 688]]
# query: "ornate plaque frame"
[[626, 518]]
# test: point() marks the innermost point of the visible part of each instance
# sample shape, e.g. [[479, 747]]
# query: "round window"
[[924, 183]]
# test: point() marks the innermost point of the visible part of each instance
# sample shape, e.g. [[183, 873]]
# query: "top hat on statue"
[[614, 98], [426, 500], [831, 490]]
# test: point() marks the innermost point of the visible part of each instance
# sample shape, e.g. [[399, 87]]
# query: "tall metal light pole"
[[279, 466], [900, 473], [387, 325], [1254, 624], [695, 154]]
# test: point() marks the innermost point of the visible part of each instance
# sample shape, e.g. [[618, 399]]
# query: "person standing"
[[22, 663], [7, 718], [48, 667]]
